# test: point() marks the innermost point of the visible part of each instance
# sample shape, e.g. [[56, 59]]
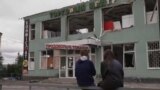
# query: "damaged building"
[[130, 28]]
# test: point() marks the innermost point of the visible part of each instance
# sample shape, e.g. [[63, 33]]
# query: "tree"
[[15, 70], [19, 64], [1, 60], [2, 69]]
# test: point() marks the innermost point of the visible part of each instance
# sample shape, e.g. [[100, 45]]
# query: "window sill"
[[118, 30], [158, 68], [129, 68]]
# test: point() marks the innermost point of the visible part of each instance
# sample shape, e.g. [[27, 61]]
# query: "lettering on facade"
[[81, 7], [100, 3], [26, 46], [68, 10]]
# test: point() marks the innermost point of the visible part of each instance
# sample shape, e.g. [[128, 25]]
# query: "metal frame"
[[150, 68]]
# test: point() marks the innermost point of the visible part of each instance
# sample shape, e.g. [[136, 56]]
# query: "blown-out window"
[[82, 23], [51, 28], [151, 11], [129, 55], [116, 18], [154, 54]]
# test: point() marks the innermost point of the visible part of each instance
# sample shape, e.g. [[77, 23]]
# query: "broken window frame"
[[50, 33], [129, 52], [91, 13], [119, 22], [154, 13], [151, 51]]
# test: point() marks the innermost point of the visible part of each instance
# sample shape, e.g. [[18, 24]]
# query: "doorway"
[[67, 66]]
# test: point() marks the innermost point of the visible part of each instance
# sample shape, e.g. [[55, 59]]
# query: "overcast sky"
[[12, 26]]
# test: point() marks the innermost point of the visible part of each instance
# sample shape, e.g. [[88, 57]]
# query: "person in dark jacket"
[[111, 72], [84, 71]]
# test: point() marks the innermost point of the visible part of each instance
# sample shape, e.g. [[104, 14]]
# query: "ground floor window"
[[124, 53], [153, 54], [63, 60], [47, 61], [129, 55], [31, 62]]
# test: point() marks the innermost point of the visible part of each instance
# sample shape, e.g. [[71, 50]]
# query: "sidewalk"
[[72, 82], [126, 84], [142, 85]]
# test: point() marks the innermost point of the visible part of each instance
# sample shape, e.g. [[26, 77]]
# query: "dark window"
[[82, 23], [151, 11], [129, 59], [51, 28], [116, 18], [154, 54], [32, 32], [129, 55]]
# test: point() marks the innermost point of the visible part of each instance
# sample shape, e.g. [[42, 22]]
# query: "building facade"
[[130, 28]]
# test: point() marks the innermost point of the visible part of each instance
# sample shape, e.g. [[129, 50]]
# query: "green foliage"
[[13, 70]]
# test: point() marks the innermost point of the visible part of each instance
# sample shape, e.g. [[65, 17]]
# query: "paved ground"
[[53, 88], [24, 85]]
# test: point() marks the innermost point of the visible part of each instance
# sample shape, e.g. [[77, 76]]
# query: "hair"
[[108, 56], [84, 53]]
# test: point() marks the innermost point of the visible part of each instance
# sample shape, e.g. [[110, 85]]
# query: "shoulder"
[[89, 61], [117, 63], [78, 61]]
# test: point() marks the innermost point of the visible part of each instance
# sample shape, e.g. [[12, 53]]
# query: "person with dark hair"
[[111, 72], [85, 70]]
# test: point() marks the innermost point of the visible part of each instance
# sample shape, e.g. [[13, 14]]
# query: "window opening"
[[47, 60], [82, 23], [51, 28], [154, 54], [32, 32], [129, 55], [151, 11], [31, 61], [116, 18]]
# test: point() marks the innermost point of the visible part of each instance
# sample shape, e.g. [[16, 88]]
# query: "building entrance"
[[67, 66], [67, 62]]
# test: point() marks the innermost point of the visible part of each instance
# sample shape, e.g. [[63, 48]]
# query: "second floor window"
[[117, 18], [151, 11], [32, 32], [51, 28], [82, 23]]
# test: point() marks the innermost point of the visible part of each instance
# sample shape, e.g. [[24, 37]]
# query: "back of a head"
[[84, 53], [108, 55]]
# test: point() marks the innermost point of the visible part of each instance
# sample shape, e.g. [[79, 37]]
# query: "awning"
[[77, 44]]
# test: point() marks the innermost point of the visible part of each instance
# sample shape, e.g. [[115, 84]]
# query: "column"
[[64, 31]]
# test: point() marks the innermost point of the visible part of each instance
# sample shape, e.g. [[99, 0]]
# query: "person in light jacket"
[[84, 71], [111, 72]]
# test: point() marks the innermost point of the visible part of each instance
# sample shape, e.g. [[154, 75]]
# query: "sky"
[[12, 26]]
